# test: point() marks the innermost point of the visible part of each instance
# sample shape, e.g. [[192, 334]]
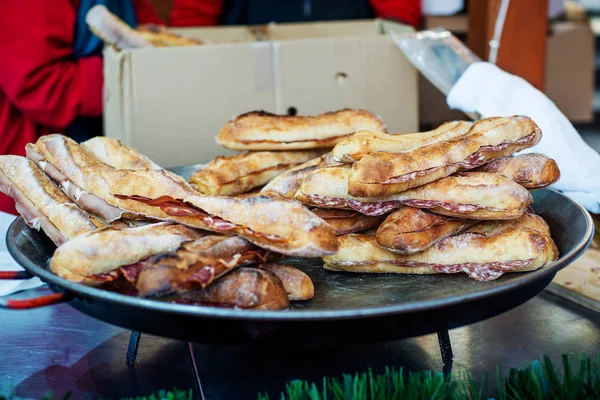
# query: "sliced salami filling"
[[129, 272], [199, 278], [475, 160], [478, 271], [382, 207], [178, 208]]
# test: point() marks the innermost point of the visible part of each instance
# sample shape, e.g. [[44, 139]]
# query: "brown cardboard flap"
[[229, 34], [322, 30]]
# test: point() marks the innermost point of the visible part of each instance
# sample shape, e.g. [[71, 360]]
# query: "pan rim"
[[81, 290]]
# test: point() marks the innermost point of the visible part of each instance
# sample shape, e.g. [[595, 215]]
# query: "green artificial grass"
[[539, 380]]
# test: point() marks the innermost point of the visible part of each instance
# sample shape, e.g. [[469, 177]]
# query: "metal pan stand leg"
[[132, 348], [446, 350], [193, 359]]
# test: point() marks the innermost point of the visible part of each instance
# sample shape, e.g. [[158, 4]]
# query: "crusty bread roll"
[[230, 176], [278, 225], [381, 174], [286, 185], [481, 257], [410, 230], [106, 249], [260, 130], [348, 221], [471, 195], [354, 147], [196, 264], [531, 170], [246, 288], [41, 203], [297, 284]]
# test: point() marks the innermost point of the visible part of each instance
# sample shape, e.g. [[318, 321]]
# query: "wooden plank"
[[580, 281], [523, 43]]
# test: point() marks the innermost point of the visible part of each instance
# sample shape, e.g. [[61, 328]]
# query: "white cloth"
[[7, 263], [490, 91]]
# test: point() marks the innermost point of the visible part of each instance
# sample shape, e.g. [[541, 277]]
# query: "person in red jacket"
[[51, 70], [251, 12]]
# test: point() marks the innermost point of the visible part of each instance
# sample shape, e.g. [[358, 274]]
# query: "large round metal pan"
[[347, 308]]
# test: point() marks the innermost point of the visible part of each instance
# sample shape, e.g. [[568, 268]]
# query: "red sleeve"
[[145, 13], [407, 11], [195, 12], [37, 73]]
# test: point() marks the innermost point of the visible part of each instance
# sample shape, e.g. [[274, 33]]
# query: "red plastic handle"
[[35, 302], [15, 275]]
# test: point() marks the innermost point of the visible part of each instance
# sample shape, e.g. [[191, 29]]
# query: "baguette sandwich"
[[230, 176], [483, 254], [41, 203], [261, 130], [471, 195], [100, 256], [278, 225], [196, 264], [531, 170], [380, 174], [354, 147], [286, 185]]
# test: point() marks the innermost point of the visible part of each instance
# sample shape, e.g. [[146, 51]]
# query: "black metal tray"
[[347, 308]]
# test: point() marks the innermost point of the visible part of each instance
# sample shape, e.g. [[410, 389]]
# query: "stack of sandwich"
[[455, 199], [451, 200], [333, 186], [120, 219]]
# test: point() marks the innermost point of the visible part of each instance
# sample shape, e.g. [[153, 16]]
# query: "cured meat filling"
[[475, 160], [379, 208], [478, 271], [178, 208], [129, 272]]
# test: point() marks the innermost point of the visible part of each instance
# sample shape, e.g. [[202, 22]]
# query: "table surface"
[[63, 350]]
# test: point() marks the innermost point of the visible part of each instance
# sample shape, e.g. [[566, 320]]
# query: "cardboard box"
[[570, 65], [170, 103]]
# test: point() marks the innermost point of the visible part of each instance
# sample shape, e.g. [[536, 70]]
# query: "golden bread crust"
[[354, 147], [109, 248], [348, 221], [229, 176], [531, 170], [361, 253], [410, 230], [286, 185], [247, 288], [527, 220], [265, 131], [493, 196], [297, 284], [51, 202], [382, 173], [299, 232], [196, 264], [114, 153]]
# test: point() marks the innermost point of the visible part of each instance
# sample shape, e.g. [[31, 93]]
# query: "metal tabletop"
[[61, 349]]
